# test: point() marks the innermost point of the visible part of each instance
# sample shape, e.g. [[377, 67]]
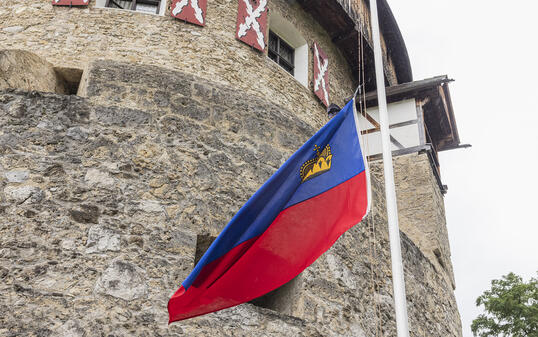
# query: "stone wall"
[[27, 71], [104, 198], [421, 210], [73, 37]]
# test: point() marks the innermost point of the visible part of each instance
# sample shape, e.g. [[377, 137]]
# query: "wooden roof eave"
[[397, 49], [438, 111], [341, 22], [416, 89], [450, 114]]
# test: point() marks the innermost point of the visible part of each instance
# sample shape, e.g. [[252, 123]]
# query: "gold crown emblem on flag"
[[321, 163]]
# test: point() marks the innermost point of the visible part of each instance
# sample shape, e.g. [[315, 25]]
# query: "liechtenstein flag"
[[297, 215]]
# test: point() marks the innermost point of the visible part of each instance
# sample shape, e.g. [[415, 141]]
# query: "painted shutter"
[[252, 23], [321, 74], [192, 11], [70, 2]]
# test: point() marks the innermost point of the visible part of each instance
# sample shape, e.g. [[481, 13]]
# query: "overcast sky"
[[490, 49]]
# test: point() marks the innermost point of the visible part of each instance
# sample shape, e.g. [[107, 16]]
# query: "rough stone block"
[[121, 116], [123, 280], [85, 214], [17, 176], [25, 70], [24, 194], [150, 206], [13, 29], [96, 177], [71, 328], [77, 133], [101, 239]]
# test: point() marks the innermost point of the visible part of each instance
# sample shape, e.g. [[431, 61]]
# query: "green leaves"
[[511, 307]]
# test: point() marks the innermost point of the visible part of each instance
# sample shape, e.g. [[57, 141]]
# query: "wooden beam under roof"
[[408, 90]]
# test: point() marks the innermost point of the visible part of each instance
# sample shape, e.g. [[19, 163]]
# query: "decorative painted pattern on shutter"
[[192, 11], [70, 2], [252, 23], [321, 74]]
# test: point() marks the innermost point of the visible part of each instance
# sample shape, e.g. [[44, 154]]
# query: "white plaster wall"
[[399, 112]]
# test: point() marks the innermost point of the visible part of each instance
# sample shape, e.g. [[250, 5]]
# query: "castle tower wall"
[[105, 208], [421, 211]]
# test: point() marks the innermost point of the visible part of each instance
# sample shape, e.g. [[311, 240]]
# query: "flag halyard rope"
[[372, 247]]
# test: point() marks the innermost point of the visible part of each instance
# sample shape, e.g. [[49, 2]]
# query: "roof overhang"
[[396, 49], [433, 95], [341, 20]]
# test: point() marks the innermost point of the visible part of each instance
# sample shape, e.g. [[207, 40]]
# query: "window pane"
[[281, 52], [286, 67], [272, 55], [286, 52], [273, 42], [125, 4]]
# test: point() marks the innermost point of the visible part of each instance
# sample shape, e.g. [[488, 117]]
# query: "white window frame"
[[287, 32]]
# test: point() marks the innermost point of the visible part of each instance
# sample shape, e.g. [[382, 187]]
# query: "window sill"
[[285, 72]]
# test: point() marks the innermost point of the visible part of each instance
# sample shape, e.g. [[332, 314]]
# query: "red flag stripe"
[[284, 250]]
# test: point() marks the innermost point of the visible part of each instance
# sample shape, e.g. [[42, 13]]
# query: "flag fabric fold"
[[320, 192]]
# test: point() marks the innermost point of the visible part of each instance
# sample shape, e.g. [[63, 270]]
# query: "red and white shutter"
[[70, 2], [321, 74], [252, 23], [192, 11]]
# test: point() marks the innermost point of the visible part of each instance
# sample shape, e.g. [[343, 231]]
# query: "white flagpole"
[[398, 284]]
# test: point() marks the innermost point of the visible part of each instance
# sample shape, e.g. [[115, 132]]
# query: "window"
[[281, 52], [288, 48], [145, 6]]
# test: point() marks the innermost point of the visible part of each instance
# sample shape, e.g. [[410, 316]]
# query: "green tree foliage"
[[511, 307]]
